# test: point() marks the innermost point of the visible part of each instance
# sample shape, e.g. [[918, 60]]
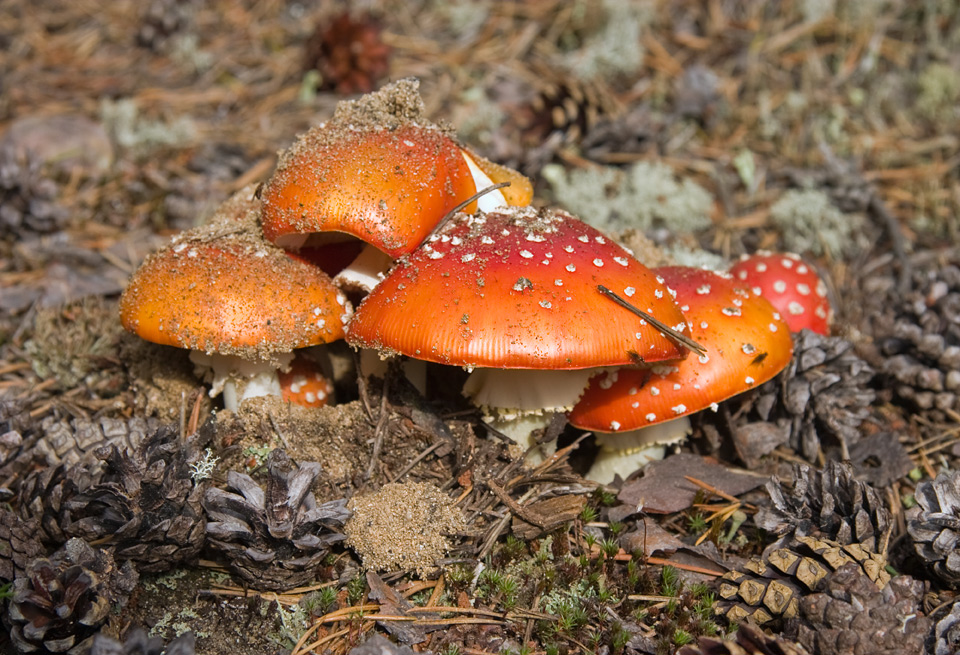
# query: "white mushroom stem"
[[623, 453], [366, 271], [373, 365], [238, 378], [518, 401]]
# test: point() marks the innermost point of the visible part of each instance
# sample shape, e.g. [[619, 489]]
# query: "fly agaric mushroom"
[[791, 285], [514, 294], [746, 343], [240, 304], [303, 384], [380, 172]]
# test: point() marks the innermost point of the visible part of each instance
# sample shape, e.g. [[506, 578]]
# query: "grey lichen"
[[133, 132], [645, 196], [809, 222], [939, 91], [612, 47]]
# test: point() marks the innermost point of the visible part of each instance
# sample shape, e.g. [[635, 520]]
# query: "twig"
[[669, 332]]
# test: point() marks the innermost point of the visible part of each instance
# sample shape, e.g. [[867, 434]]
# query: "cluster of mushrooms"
[[447, 263]]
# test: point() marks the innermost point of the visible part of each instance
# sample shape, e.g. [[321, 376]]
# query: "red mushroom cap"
[[517, 288], [747, 344], [221, 288], [304, 384], [791, 285]]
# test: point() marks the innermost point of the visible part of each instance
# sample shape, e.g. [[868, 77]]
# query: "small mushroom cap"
[[304, 384], [747, 344], [517, 288], [791, 285], [221, 289]]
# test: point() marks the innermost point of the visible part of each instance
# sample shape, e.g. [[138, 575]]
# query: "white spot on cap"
[[714, 407], [704, 358], [408, 143], [435, 255], [571, 268], [802, 269], [526, 254], [614, 425], [757, 291], [787, 263], [568, 248], [635, 404], [679, 409], [779, 286], [749, 380], [821, 289], [629, 291], [795, 308], [703, 325], [654, 391], [469, 257], [536, 238], [658, 293], [321, 323], [820, 312], [651, 417], [545, 304], [748, 348], [584, 238], [598, 262], [676, 386], [761, 267], [633, 391], [316, 311], [773, 327], [742, 275], [620, 260], [803, 289], [703, 289], [485, 239], [558, 282], [599, 239], [730, 311], [660, 279], [456, 241]]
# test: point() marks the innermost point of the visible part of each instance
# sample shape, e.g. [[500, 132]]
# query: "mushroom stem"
[[622, 453], [237, 378]]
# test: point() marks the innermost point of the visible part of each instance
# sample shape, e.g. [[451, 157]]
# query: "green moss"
[[810, 222], [645, 196]]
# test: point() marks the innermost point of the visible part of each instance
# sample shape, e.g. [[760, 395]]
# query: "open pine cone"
[[936, 531], [58, 603], [831, 504], [19, 545], [349, 53], [146, 505], [749, 640], [275, 538], [28, 198]]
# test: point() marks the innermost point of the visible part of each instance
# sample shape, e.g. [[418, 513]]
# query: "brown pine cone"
[[946, 634], [936, 531], [43, 495], [19, 545], [275, 538], [565, 105], [58, 604], [28, 198], [819, 400], [348, 52], [917, 335], [139, 643], [146, 505], [77, 441], [852, 616], [772, 586], [749, 640], [831, 504]]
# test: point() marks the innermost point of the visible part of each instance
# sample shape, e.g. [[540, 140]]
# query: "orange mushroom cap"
[[747, 343], [380, 171], [221, 288], [517, 288]]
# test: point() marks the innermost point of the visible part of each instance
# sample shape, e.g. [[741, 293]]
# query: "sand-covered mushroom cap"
[[791, 285], [746, 340], [517, 288], [379, 171], [222, 289]]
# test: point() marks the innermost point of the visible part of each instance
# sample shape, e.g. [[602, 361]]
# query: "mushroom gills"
[[623, 453]]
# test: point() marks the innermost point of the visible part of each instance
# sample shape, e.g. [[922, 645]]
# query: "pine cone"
[[349, 53], [139, 643], [28, 198], [146, 505], [917, 335], [936, 531], [852, 616], [565, 105], [15, 439], [43, 495], [749, 640], [832, 504], [19, 545], [77, 441], [820, 398], [274, 539], [947, 632], [772, 586], [59, 603], [162, 19]]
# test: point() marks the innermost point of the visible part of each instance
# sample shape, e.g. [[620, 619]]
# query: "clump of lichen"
[[645, 196], [132, 131], [939, 91], [608, 46], [809, 222], [72, 343]]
